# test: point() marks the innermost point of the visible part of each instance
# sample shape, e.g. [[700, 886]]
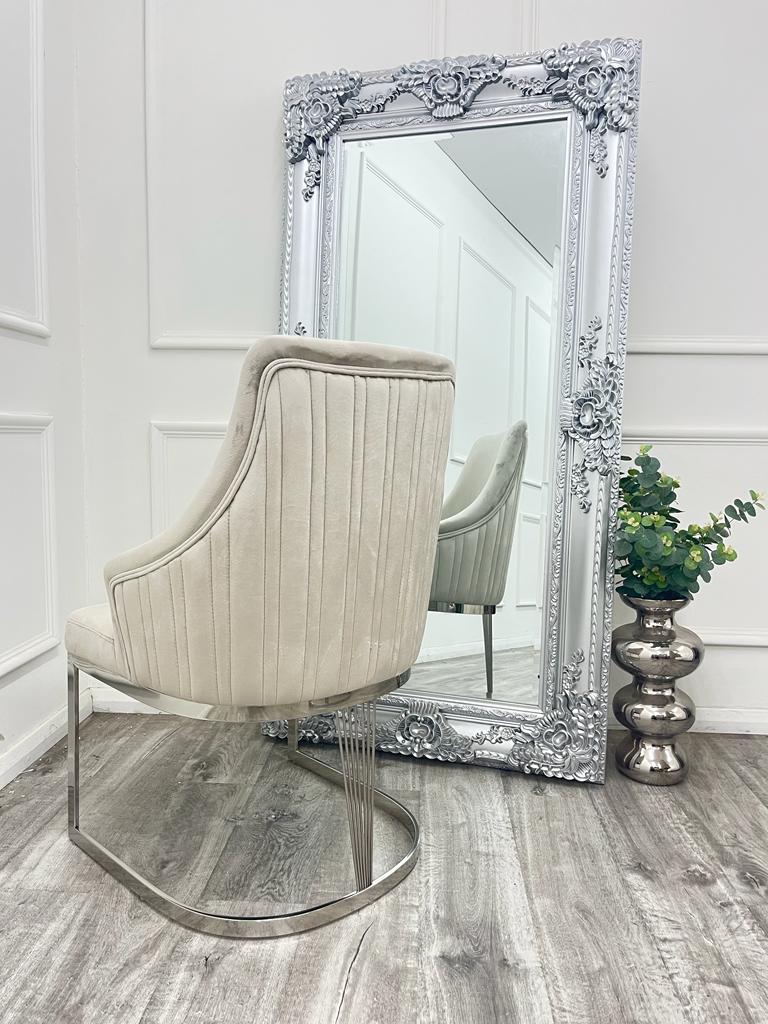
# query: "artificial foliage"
[[656, 558]]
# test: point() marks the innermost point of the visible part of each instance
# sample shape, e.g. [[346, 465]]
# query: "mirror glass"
[[451, 241]]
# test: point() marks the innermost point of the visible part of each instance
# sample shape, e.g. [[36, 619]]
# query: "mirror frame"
[[594, 86]]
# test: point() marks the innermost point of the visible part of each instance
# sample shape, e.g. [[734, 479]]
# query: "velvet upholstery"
[[478, 522], [301, 569]]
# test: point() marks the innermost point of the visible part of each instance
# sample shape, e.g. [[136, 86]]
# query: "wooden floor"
[[534, 901]]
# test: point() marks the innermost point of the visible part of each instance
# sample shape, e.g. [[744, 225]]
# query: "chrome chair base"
[[356, 728]]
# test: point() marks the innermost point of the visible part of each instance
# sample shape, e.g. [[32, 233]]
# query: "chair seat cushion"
[[89, 637]]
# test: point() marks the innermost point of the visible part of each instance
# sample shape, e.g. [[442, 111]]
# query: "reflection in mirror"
[[451, 241]]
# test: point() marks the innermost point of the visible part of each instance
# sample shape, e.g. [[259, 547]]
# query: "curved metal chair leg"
[[356, 777]]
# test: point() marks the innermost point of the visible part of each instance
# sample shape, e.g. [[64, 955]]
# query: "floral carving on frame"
[[591, 415], [447, 88], [564, 741], [422, 731], [598, 79]]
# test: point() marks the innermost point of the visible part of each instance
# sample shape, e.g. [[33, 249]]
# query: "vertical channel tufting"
[[182, 649], [229, 601], [187, 690], [429, 515], [196, 563], [338, 513], [313, 578], [407, 580], [378, 486], [163, 629], [273, 468], [472, 564], [213, 619], [294, 527], [317, 513], [385, 547], [220, 592], [427, 519], [402, 454], [352, 520], [126, 634], [148, 624], [434, 451], [356, 517], [175, 668]]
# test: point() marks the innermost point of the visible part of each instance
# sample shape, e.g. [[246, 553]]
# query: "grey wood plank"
[[480, 942], [90, 960], [748, 756], [377, 974], [734, 830], [172, 815], [602, 963], [680, 895]]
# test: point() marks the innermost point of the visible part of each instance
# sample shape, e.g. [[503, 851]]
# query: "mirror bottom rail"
[[566, 742]]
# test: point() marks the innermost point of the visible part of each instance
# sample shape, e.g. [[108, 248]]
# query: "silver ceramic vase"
[[657, 652]]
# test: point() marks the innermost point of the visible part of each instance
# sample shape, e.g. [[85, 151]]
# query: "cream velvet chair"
[[297, 581], [476, 530]]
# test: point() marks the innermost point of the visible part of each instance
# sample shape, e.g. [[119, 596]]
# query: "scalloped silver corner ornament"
[[599, 79], [314, 108], [563, 743], [591, 415]]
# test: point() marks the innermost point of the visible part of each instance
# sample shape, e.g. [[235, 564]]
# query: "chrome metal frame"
[[357, 724], [487, 611]]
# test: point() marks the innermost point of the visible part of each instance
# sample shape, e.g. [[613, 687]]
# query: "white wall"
[[41, 462], [180, 220]]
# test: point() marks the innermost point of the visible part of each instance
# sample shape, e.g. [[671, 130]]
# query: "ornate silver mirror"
[[482, 207]]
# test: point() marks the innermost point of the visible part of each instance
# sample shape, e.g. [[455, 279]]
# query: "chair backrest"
[[492, 469], [301, 569], [477, 522]]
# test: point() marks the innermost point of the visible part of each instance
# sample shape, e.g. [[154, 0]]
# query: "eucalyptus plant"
[[657, 559]]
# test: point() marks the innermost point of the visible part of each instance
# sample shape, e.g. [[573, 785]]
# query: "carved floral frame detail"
[[598, 79]]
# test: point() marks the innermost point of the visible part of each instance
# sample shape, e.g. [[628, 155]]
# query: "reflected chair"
[[296, 582], [476, 530]]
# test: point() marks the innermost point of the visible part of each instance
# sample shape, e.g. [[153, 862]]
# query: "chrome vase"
[[657, 652]]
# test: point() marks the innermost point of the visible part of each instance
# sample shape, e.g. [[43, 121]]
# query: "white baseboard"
[[747, 721], [26, 751], [473, 647], [104, 698]]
